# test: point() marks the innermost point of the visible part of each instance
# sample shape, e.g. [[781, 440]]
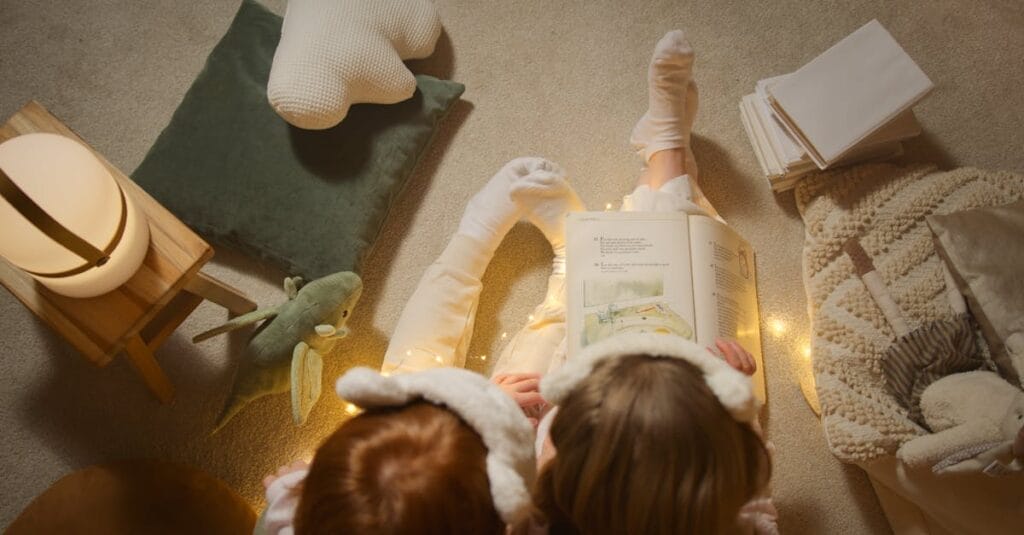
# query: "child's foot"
[[672, 98], [546, 198], [491, 212]]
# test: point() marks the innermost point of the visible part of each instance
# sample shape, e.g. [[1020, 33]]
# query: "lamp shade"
[[58, 201]]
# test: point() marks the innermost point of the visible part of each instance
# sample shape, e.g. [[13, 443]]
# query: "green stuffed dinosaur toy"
[[286, 350]]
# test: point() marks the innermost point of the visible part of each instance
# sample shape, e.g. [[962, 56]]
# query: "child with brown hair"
[[652, 433], [439, 449]]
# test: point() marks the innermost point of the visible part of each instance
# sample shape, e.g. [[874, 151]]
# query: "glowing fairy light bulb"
[[607, 206], [777, 327], [529, 318], [483, 357], [504, 336], [437, 359], [351, 409], [408, 352]]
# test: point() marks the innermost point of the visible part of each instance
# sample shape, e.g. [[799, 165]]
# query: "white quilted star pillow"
[[335, 53]]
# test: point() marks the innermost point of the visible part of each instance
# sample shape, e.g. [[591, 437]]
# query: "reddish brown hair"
[[644, 446], [412, 469]]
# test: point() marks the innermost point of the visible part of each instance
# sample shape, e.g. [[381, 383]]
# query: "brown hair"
[[644, 446], [411, 469]]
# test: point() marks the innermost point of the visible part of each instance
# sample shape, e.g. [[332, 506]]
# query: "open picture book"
[[651, 272]]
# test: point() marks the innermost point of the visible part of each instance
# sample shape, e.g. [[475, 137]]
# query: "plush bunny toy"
[[977, 423]]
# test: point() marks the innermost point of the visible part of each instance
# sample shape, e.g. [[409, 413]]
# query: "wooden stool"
[[139, 315]]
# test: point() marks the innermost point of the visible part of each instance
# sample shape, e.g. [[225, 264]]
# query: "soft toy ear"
[[292, 285]]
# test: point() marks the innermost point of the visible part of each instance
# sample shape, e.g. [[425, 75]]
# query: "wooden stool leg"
[[218, 292], [142, 360]]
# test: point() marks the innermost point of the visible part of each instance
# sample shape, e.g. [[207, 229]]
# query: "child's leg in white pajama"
[[662, 138], [662, 135], [546, 201], [535, 348], [436, 324], [676, 192]]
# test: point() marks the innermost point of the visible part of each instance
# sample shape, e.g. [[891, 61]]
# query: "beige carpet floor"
[[563, 80]]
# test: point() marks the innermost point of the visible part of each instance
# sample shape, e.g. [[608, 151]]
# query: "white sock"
[[546, 198], [672, 98], [491, 212]]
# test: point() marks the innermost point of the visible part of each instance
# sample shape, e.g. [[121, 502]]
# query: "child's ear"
[[292, 285]]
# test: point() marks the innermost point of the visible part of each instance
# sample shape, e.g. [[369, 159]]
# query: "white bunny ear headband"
[[733, 389], [506, 432]]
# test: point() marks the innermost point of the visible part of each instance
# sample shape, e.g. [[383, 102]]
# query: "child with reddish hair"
[[438, 451]]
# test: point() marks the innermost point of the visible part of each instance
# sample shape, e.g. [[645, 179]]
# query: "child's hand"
[[735, 356], [283, 471], [524, 388]]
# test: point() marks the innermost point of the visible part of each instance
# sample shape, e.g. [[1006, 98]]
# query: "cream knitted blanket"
[[885, 206]]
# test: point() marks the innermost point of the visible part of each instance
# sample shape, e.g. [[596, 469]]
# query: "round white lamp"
[[64, 219]]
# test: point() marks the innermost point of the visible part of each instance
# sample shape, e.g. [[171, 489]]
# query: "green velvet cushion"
[[311, 202]]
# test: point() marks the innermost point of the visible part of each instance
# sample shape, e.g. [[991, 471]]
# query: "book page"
[[725, 290], [627, 272]]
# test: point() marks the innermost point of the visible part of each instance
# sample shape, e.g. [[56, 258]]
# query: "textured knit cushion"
[[334, 53], [311, 202], [984, 250], [885, 207]]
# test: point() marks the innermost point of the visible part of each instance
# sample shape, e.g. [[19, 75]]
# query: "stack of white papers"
[[850, 104]]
